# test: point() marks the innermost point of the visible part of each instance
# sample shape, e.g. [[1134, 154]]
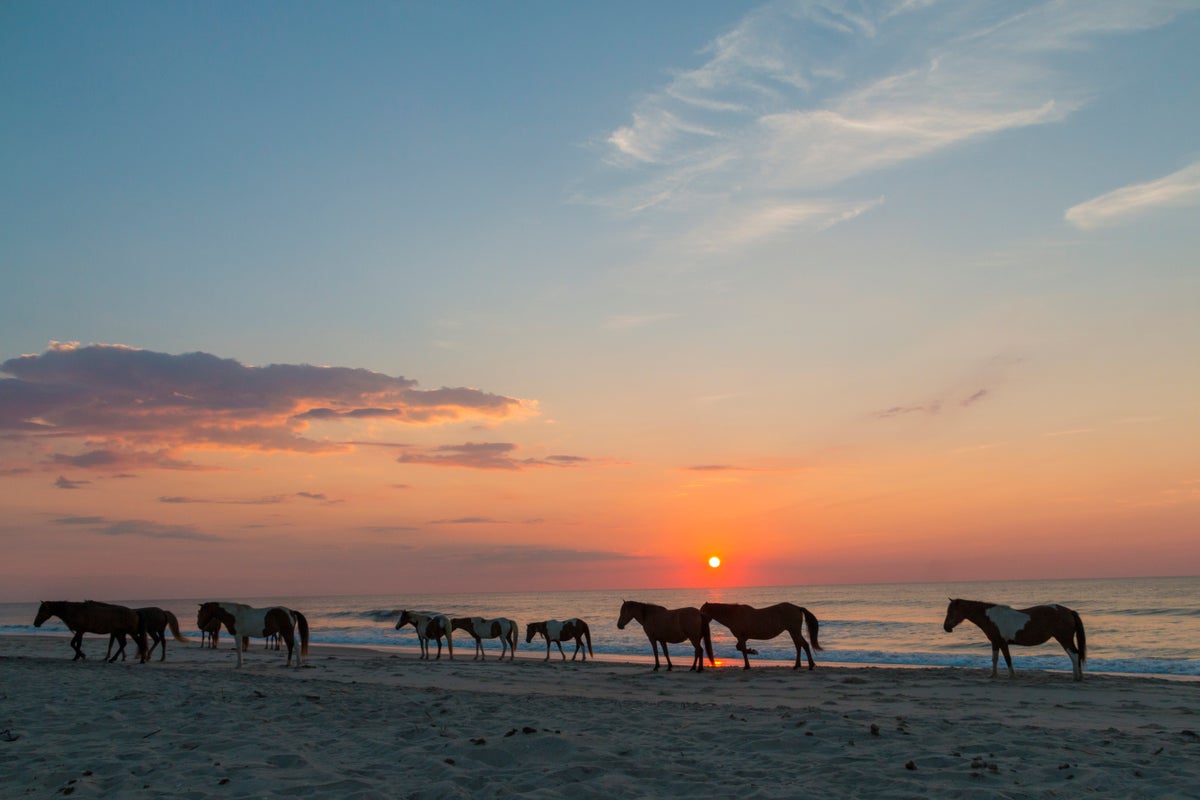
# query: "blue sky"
[[780, 238]]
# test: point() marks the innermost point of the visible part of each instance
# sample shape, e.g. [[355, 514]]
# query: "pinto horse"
[[1028, 627], [479, 628], [429, 625], [747, 622], [664, 625], [557, 632], [244, 621], [92, 617], [154, 622]]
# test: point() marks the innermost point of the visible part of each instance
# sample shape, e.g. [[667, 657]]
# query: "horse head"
[[406, 618], [627, 611], [955, 613], [532, 628], [44, 613]]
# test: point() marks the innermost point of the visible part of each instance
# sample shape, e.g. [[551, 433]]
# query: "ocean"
[[1143, 626]]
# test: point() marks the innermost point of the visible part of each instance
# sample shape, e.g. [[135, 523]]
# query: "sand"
[[371, 724]]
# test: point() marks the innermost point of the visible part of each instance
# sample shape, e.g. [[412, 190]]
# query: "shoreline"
[[361, 723]]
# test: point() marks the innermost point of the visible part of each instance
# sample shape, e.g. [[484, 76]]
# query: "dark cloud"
[[533, 555], [311, 495], [255, 501], [113, 459], [144, 399], [900, 411], [465, 521], [66, 483], [484, 455], [138, 528]]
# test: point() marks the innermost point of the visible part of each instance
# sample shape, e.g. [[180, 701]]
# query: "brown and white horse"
[[1027, 627], [244, 621], [664, 625], [479, 628], [557, 632], [747, 622], [429, 625]]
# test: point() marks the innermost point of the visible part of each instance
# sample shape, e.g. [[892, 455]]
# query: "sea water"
[[1134, 625]]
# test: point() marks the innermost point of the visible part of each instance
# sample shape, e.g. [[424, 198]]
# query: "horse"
[[429, 625], [1027, 627], [92, 617], [664, 625], [557, 632], [154, 623], [210, 634], [746, 622], [244, 621], [502, 628]]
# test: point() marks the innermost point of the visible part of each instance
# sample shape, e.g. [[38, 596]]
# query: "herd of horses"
[[1002, 625]]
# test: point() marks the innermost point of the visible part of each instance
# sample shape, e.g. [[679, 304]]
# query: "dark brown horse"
[[479, 629], [664, 625], [154, 623], [93, 617], [1027, 627], [557, 632], [244, 621], [747, 622], [210, 634]]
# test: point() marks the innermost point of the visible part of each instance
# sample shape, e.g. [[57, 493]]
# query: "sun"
[[714, 562]]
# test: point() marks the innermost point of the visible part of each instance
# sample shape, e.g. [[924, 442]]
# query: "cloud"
[[138, 528], [140, 400], [465, 521], [801, 97], [485, 455], [531, 555], [66, 483], [1177, 190]]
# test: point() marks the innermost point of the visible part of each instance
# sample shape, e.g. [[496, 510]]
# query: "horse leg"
[[479, 650], [76, 641], [667, 655], [1007, 659], [561, 653], [120, 637], [1069, 645], [654, 647], [802, 645], [741, 645]]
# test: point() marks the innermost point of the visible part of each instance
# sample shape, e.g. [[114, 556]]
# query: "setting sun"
[[714, 562]]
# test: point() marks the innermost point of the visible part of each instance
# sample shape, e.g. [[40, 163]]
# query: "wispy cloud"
[[800, 97], [1177, 190], [137, 407], [485, 455], [138, 528]]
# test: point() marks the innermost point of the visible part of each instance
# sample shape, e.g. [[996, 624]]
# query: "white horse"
[[428, 625], [500, 628], [244, 621]]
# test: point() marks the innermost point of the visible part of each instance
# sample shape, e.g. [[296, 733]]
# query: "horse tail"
[[1080, 637], [813, 627], [173, 621], [302, 624], [707, 634], [587, 634]]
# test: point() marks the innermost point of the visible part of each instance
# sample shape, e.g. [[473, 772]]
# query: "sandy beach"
[[358, 723]]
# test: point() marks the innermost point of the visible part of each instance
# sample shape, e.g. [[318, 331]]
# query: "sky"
[[408, 297]]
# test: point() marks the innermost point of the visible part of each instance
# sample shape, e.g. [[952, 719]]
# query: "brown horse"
[[479, 628], [557, 632], [664, 625], [244, 621], [210, 634], [746, 622], [154, 622], [93, 617], [1027, 627]]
